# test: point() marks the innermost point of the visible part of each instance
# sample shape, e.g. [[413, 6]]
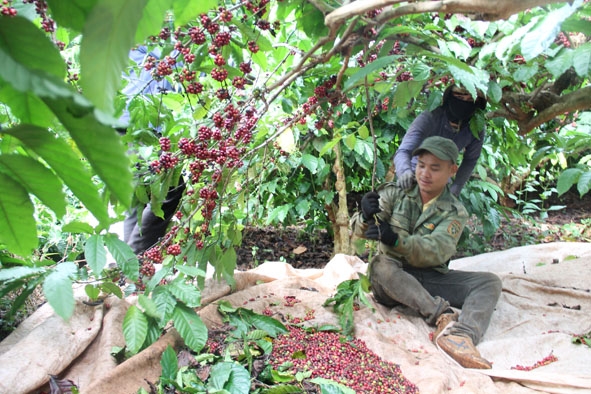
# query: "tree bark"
[[477, 9]]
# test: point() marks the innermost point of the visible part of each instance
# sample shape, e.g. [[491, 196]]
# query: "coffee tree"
[[269, 112]]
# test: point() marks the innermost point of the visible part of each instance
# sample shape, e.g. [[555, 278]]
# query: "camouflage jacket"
[[425, 239]]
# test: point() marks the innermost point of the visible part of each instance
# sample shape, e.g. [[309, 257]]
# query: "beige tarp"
[[546, 300]]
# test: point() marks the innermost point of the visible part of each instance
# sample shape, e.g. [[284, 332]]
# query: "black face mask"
[[459, 110]]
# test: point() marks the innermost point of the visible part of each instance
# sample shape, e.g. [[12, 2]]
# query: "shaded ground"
[[302, 249]]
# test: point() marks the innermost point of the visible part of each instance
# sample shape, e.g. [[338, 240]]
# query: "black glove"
[[406, 180], [381, 232], [370, 205]]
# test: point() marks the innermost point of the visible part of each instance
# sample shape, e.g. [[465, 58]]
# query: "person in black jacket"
[[450, 120]]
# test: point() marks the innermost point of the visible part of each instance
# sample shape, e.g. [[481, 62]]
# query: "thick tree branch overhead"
[[477, 9]]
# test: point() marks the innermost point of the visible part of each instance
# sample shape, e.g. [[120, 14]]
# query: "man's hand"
[[406, 180], [381, 232], [370, 205]]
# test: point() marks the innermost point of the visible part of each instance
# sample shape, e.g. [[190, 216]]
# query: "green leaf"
[[406, 91], [278, 213], [328, 386], [37, 180], [18, 230], [150, 307], [57, 288], [271, 326], [495, 93], [152, 16], [186, 10], [108, 34], [101, 145], [191, 271], [190, 327], [542, 36], [65, 163], [359, 76], [111, 288], [26, 45], [310, 162], [582, 60], [559, 64], [78, 228], [95, 254], [14, 273], [92, 291], [185, 292], [124, 256], [363, 131], [568, 178], [71, 13], [525, 72], [27, 107], [231, 377], [584, 183], [472, 78], [135, 329], [165, 302], [169, 363]]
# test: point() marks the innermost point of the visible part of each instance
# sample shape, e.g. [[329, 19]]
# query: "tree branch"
[[575, 101], [478, 9]]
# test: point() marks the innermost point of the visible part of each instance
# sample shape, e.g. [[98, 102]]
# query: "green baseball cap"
[[442, 147]]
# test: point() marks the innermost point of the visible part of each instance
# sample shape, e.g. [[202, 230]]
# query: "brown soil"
[[303, 249]]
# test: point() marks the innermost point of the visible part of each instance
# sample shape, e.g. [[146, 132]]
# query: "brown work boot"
[[463, 351], [443, 321]]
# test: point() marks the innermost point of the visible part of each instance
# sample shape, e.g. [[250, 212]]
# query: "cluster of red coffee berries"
[[7, 8], [349, 362], [545, 361]]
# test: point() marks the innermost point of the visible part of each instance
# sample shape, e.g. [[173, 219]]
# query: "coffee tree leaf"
[[57, 288], [187, 10], [123, 255], [135, 329], [27, 107], [107, 36], [185, 292], [111, 288], [151, 20], [229, 376], [36, 179], [328, 386], [165, 302], [65, 163], [15, 273], [18, 230], [537, 40], [25, 44], [169, 364], [95, 254], [584, 184], [77, 227], [190, 327], [567, 179], [71, 14], [582, 60], [102, 147]]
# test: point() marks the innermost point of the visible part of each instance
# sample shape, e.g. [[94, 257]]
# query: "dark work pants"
[[141, 237], [430, 293]]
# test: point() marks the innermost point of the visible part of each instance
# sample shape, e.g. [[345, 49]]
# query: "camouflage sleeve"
[[435, 247], [388, 194]]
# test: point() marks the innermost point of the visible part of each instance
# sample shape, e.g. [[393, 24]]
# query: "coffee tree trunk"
[[338, 212]]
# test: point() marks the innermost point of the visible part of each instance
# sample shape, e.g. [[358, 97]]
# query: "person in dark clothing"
[[418, 231], [143, 234], [450, 120]]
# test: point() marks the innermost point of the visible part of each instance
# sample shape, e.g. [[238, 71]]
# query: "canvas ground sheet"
[[546, 300]]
